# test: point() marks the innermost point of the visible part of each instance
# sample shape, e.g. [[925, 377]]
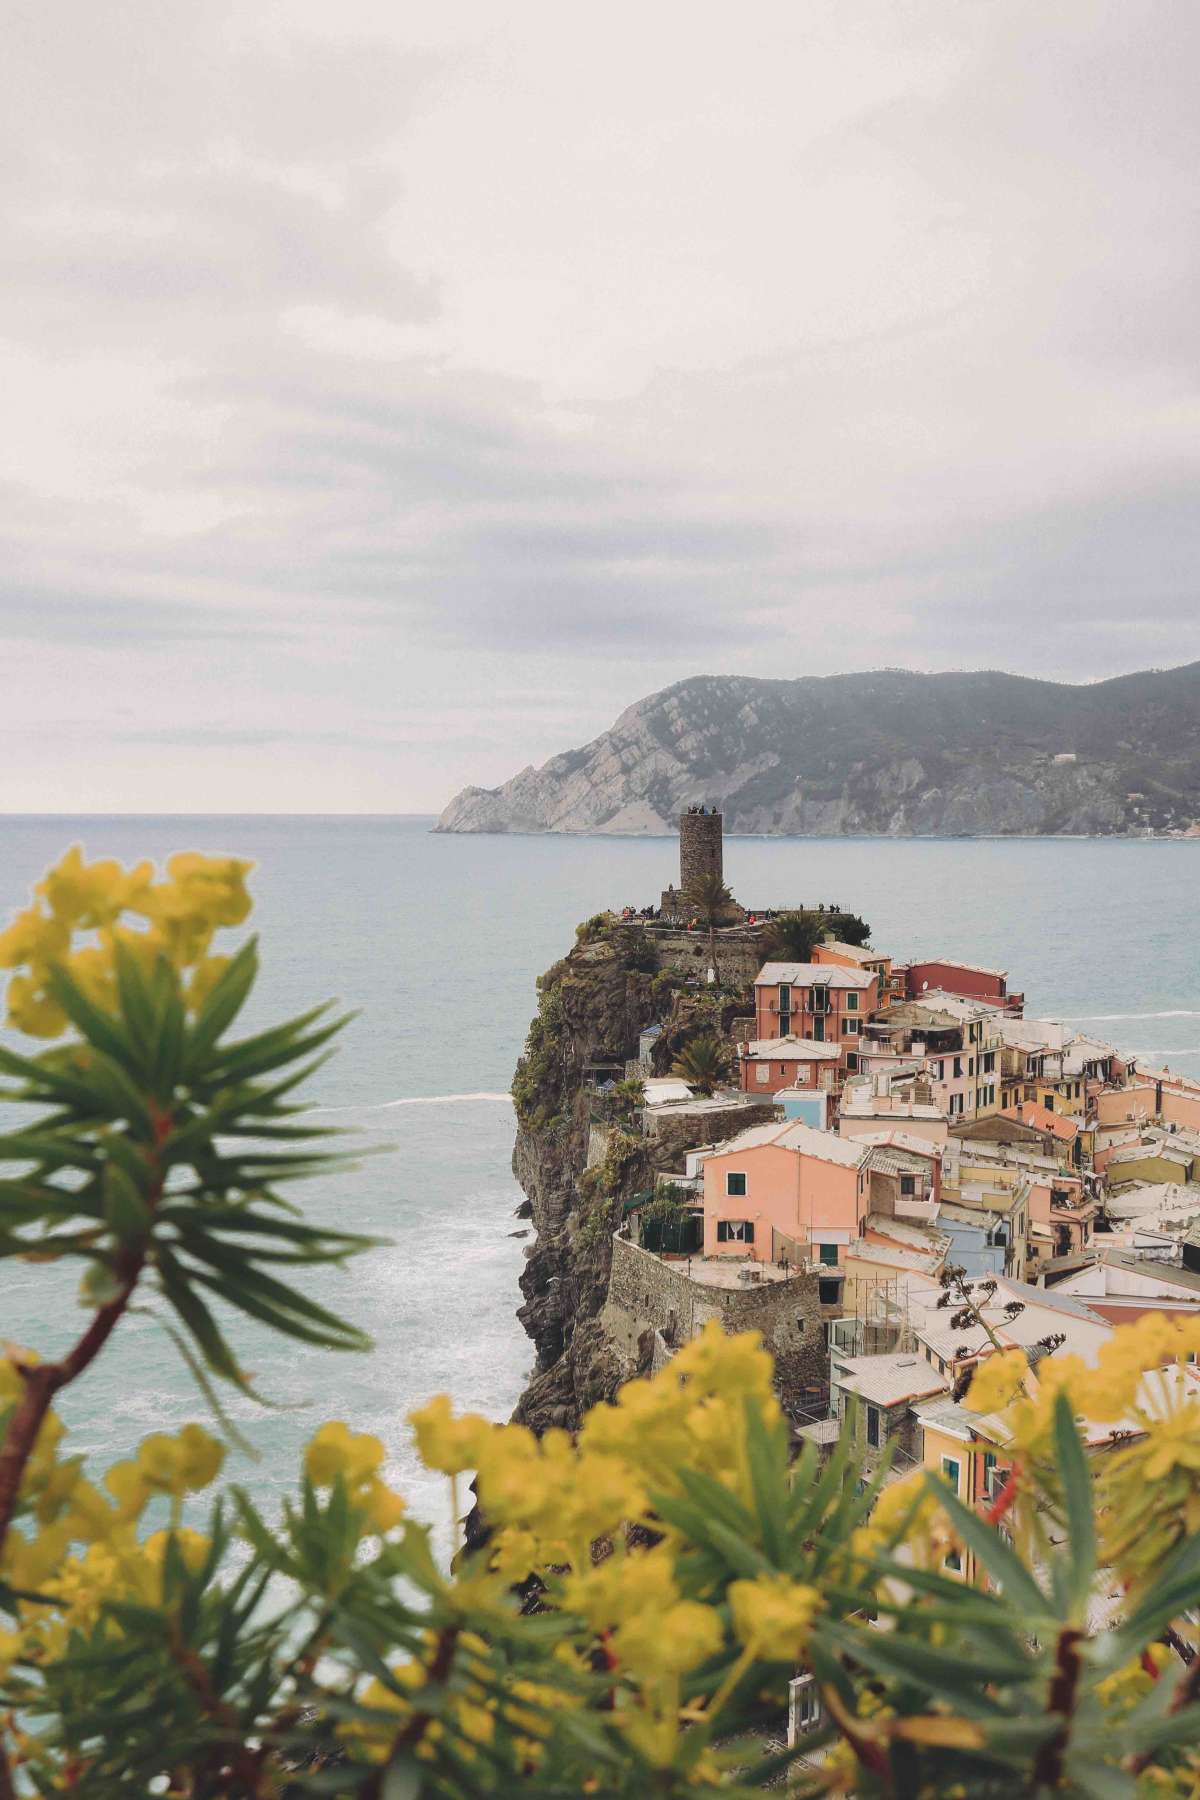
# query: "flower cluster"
[[356, 1458], [177, 919]]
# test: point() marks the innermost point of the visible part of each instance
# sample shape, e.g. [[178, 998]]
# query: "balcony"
[[911, 1207]]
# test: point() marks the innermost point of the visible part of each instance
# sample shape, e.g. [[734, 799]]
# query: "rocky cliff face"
[[890, 753], [591, 1008]]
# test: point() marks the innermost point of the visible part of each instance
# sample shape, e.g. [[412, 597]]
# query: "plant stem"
[[1048, 1766], [42, 1382]]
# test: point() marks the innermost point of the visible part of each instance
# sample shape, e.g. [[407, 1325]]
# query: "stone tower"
[[700, 846]]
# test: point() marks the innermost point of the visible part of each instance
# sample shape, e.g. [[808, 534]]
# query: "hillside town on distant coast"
[[883, 1165]]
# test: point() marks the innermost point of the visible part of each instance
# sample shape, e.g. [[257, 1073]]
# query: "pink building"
[[768, 1064], [786, 1188], [822, 1002]]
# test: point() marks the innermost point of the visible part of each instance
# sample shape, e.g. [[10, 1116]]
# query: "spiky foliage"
[[703, 1063]]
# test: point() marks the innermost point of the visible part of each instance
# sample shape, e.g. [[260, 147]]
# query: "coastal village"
[[882, 1164]]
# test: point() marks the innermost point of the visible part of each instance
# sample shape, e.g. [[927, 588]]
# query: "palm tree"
[[793, 936], [701, 1063], [714, 904]]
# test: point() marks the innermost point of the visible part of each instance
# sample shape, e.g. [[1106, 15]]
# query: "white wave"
[[414, 1100], [1179, 1012]]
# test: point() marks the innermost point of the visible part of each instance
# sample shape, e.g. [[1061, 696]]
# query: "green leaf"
[[767, 1457], [96, 1027], [125, 1207], [1080, 1509], [289, 1322], [199, 1322], [225, 1001], [134, 998], [996, 1555]]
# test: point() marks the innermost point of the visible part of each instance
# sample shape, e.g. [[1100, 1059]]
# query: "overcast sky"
[[393, 393]]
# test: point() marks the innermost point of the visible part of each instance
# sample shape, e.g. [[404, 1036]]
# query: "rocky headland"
[[884, 754], [580, 1154]]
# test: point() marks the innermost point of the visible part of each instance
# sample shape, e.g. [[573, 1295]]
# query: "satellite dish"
[[924, 985]]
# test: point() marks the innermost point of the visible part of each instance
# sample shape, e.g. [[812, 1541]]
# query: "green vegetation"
[[703, 1063], [538, 1070], [793, 936]]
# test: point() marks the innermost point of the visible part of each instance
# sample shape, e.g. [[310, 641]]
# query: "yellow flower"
[[996, 1381], [32, 939], [336, 1450], [669, 1642], [90, 894], [383, 1508], [445, 1443], [31, 1010], [772, 1614], [1173, 1443]]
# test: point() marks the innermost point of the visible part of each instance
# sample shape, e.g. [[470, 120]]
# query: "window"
[[852, 1062], [820, 1000], [735, 1182], [990, 1484], [951, 1470], [785, 997], [873, 1426], [762, 1073], [1049, 1102], [818, 1029], [851, 1027], [829, 1290], [805, 1706], [970, 1065], [908, 1184], [958, 1065], [851, 1002], [988, 1062], [829, 1255], [954, 1561], [735, 1231]]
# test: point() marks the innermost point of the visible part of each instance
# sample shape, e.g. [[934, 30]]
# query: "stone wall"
[[646, 1294], [701, 852], [671, 1134]]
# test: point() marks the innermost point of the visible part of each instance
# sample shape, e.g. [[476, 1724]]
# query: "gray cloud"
[[415, 390]]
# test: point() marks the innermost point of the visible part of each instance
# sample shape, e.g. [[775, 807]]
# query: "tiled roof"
[[812, 975], [1042, 1119], [889, 1380], [792, 1049], [792, 1135]]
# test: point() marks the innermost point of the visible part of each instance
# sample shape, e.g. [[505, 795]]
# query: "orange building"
[[785, 1188], [824, 1003]]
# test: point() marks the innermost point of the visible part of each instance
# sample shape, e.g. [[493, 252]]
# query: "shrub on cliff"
[[686, 1569], [702, 1063]]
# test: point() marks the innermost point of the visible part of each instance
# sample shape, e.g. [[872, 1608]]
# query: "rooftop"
[[812, 975], [860, 953], [889, 1380], [725, 1271], [804, 1139], [1155, 1199], [792, 1049], [902, 1140], [956, 962], [1042, 1119]]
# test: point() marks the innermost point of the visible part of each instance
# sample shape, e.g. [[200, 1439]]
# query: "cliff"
[[592, 1006], [890, 754]]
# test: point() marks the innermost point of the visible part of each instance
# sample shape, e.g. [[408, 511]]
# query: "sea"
[[434, 943]]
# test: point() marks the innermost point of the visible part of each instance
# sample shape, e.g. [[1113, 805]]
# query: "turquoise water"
[[437, 940]]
